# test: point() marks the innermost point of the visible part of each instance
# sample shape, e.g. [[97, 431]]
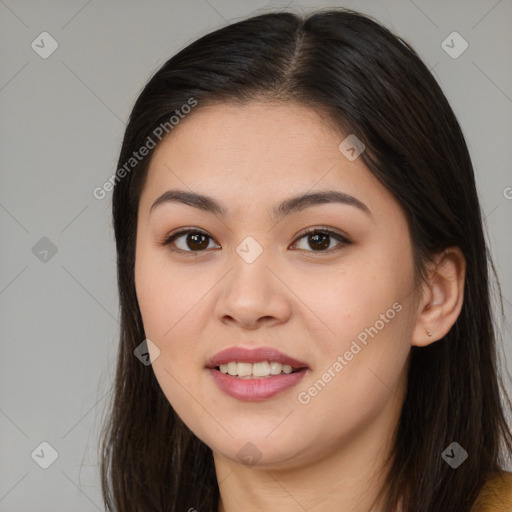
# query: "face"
[[338, 301]]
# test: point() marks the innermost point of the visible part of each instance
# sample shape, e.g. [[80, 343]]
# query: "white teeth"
[[260, 369], [232, 368], [275, 368], [244, 369]]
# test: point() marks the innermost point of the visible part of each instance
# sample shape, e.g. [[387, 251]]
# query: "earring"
[[429, 332]]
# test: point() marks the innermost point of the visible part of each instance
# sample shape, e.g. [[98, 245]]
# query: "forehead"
[[267, 150], [287, 131]]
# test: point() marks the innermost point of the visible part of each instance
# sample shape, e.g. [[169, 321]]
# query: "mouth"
[[259, 370], [256, 362], [255, 374]]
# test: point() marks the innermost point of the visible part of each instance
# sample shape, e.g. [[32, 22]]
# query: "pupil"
[[315, 238], [195, 240]]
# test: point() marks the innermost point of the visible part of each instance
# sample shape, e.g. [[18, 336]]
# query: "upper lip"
[[253, 355]]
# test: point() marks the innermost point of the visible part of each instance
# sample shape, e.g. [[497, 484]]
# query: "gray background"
[[61, 123]]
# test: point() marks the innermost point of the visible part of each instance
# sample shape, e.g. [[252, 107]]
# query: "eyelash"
[[318, 230]]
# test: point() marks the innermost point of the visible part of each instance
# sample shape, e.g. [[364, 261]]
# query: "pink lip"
[[254, 390], [254, 355]]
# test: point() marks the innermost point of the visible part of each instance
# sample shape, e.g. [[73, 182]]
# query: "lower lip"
[[254, 390]]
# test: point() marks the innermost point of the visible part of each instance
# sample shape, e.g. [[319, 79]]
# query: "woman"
[[301, 259]]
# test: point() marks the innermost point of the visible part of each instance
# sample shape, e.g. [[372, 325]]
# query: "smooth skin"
[[307, 302]]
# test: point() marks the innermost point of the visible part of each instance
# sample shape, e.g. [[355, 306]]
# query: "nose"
[[253, 295]]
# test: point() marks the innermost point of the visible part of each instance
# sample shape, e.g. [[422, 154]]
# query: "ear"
[[442, 296]]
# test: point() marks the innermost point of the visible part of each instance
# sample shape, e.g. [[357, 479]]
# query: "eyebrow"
[[286, 207]]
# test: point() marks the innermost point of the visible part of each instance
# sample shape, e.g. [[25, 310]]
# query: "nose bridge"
[[251, 291], [250, 275]]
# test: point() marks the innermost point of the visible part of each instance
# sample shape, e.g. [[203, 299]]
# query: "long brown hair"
[[372, 83]]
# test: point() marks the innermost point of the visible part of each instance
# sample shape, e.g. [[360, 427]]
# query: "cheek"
[[151, 294], [343, 302], [361, 366], [164, 296], [367, 308], [168, 301], [172, 304]]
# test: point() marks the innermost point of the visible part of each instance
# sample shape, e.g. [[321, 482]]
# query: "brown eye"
[[196, 241], [319, 240], [191, 241]]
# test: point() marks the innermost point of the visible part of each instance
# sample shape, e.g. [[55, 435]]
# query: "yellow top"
[[496, 494]]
